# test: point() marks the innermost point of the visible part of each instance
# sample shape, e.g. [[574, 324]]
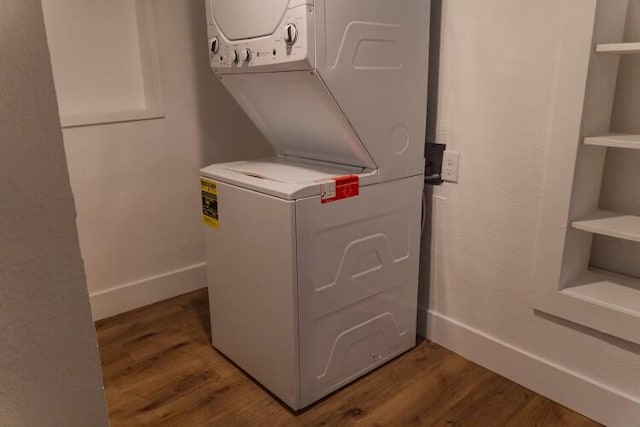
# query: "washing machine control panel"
[[290, 47]]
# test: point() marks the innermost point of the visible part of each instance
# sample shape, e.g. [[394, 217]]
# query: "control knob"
[[290, 34], [214, 45], [244, 55]]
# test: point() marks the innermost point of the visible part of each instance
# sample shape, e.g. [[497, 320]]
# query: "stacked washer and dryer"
[[313, 254]]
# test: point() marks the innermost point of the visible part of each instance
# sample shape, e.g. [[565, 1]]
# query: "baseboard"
[[586, 396], [123, 298]]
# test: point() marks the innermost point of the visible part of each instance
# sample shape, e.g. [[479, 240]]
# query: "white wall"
[[621, 184], [136, 184], [49, 365], [498, 71]]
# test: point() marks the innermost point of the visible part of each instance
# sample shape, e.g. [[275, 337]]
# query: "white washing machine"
[[313, 255]]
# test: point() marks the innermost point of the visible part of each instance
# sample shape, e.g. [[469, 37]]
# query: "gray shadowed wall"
[[49, 364]]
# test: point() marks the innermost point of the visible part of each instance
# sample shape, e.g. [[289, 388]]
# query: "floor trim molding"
[[583, 395], [123, 298]]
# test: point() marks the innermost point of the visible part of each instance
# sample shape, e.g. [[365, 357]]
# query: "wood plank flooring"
[[160, 370]]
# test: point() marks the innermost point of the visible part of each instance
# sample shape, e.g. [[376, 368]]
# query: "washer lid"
[[247, 19], [299, 117], [285, 178]]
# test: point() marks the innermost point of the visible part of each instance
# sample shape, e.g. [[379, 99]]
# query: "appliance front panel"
[[289, 45], [298, 116], [251, 274], [247, 19], [358, 265]]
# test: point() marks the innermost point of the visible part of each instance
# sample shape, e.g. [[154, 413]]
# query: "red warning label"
[[339, 188]]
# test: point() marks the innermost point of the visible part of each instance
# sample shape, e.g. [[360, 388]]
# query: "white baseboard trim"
[[584, 395], [123, 298]]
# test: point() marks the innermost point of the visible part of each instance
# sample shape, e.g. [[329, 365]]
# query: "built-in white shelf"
[[600, 300], [631, 142], [568, 289], [609, 290], [619, 48], [626, 227]]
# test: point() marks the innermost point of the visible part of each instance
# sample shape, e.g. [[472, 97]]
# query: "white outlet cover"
[[450, 166]]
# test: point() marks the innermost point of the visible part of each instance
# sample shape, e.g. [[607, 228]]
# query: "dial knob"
[[290, 34], [235, 56], [244, 55], [214, 45]]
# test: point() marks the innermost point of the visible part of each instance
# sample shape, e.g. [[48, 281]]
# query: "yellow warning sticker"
[[209, 203]]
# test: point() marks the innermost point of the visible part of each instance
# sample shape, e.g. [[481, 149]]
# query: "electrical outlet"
[[450, 166]]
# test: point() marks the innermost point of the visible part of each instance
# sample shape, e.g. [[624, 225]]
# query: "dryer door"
[[247, 19]]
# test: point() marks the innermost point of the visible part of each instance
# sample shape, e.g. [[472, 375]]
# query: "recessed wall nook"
[[597, 282]]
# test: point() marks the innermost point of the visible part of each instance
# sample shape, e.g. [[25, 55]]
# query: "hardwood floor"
[[160, 370]]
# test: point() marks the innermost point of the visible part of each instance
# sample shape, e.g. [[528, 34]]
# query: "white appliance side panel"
[[358, 264], [298, 116], [373, 57], [251, 273]]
